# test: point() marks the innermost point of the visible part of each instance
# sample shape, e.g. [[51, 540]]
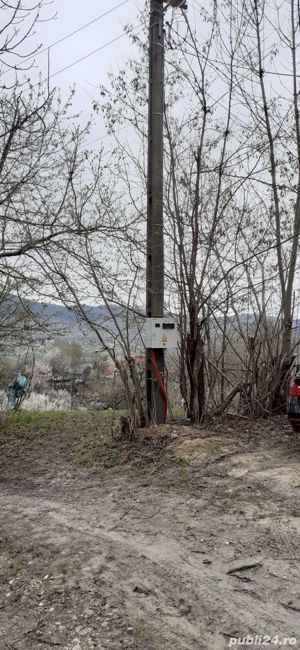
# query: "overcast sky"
[[93, 71]]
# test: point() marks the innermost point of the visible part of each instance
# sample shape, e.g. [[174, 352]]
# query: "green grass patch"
[[176, 413], [41, 419], [75, 436], [83, 438], [24, 419], [97, 449], [64, 421]]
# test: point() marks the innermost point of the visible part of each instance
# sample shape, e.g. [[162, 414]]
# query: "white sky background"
[[90, 73]]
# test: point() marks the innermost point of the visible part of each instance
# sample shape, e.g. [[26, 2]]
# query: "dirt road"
[[188, 544]]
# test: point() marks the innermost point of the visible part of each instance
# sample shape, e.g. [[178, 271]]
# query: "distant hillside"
[[68, 323], [63, 322], [59, 321]]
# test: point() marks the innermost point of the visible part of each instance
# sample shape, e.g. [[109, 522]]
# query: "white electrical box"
[[161, 333]]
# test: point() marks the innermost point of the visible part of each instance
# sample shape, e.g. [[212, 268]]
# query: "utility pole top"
[[176, 4]]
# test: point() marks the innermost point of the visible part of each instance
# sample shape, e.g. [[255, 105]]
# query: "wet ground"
[[189, 541]]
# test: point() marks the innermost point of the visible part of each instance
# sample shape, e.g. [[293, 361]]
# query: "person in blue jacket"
[[15, 390]]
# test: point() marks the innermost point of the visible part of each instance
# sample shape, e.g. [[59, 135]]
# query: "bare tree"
[[18, 22], [199, 195], [266, 90]]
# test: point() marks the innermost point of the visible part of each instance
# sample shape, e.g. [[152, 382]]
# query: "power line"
[[240, 64], [102, 137], [76, 31], [86, 56]]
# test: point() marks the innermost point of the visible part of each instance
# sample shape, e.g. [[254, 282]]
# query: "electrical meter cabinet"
[[161, 333]]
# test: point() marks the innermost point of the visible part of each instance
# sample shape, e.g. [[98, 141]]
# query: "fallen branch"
[[224, 405], [243, 567]]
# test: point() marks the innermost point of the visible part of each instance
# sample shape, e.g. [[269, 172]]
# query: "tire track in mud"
[[160, 583], [162, 551]]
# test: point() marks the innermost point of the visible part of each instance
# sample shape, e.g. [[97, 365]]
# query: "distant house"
[[111, 369]]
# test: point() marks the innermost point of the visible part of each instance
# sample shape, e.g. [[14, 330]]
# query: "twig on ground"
[[46, 641], [238, 415], [122, 517], [151, 516], [189, 563]]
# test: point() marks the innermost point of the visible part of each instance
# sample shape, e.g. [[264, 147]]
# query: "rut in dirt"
[[165, 555]]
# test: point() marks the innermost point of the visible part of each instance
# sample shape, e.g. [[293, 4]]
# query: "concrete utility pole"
[[155, 244]]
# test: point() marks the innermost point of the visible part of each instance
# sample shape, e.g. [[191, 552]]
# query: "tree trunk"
[[195, 368]]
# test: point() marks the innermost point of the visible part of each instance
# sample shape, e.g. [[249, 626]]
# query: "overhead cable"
[[76, 31]]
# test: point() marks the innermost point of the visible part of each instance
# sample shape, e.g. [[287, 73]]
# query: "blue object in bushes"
[[15, 390]]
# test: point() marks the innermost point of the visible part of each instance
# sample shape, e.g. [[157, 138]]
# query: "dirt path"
[[171, 556]]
